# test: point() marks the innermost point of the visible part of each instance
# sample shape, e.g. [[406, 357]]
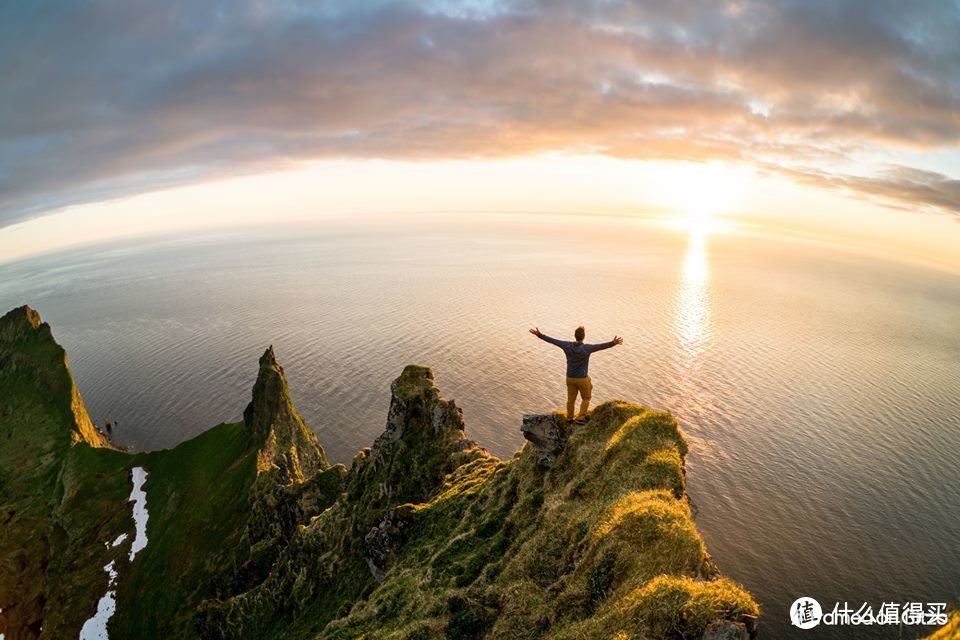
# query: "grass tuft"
[[674, 606]]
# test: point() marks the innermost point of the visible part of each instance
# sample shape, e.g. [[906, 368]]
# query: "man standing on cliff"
[[578, 360]]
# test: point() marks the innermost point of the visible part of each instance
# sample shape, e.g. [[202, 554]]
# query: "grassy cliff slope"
[[64, 491], [252, 533], [433, 537], [41, 418]]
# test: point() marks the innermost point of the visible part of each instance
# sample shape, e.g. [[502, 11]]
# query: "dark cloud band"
[[102, 99]]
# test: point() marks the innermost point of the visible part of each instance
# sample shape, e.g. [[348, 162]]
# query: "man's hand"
[[617, 340], [535, 331]]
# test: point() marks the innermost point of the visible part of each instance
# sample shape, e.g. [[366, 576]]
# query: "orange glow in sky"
[[820, 119], [696, 196]]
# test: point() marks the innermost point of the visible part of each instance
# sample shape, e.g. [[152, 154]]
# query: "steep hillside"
[[247, 531], [41, 416], [64, 498]]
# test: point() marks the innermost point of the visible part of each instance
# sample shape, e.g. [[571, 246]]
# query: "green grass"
[[245, 541], [601, 545], [413, 381], [197, 498]]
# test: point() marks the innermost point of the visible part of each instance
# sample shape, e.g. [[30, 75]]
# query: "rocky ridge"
[[585, 532]]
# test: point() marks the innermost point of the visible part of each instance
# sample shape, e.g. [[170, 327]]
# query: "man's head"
[[580, 333]]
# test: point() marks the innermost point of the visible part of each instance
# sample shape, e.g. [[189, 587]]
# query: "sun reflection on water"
[[692, 318], [692, 403]]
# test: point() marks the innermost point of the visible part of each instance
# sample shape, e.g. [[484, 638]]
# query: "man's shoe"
[[580, 421]]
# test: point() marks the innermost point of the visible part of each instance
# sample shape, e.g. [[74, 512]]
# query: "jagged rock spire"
[[287, 445], [423, 441], [416, 403]]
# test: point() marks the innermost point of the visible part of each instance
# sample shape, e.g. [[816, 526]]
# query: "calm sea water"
[[820, 389]]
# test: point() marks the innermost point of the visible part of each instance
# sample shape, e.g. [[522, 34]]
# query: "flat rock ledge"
[[547, 434]]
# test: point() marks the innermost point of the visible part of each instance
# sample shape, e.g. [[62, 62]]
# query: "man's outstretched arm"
[[546, 338], [605, 345]]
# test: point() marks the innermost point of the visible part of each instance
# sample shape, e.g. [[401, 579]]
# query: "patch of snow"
[[139, 499], [111, 569], [95, 628]]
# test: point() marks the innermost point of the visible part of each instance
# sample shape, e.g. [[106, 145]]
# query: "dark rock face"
[[416, 403], [381, 541], [547, 434]]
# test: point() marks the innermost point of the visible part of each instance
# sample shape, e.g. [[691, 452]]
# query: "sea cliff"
[[585, 532]]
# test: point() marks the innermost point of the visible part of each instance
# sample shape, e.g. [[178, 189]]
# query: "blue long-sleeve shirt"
[[578, 354]]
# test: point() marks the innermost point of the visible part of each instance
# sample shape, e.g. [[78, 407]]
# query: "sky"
[[836, 118]]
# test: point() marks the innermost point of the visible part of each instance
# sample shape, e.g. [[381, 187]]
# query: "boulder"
[[547, 434]]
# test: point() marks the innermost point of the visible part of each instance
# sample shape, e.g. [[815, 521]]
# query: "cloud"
[[102, 99], [895, 186]]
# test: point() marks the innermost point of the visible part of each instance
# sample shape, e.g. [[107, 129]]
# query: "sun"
[[697, 194]]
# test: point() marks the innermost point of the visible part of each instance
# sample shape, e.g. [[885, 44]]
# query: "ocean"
[[819, 386]]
